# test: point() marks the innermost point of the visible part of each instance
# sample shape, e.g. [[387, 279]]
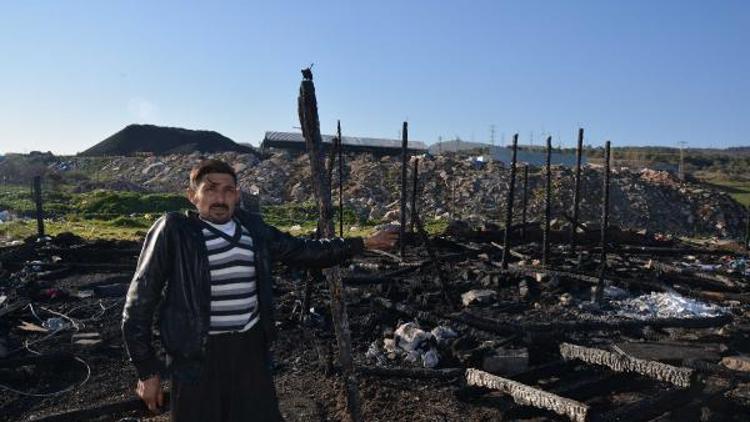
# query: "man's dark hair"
[[207, 167]]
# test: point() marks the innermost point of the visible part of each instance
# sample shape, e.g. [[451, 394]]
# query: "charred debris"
[[530, 320]]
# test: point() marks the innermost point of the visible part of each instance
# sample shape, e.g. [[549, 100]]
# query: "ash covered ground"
[[417, 325]]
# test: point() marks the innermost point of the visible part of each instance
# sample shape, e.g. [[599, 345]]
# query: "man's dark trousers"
[[235, 384]]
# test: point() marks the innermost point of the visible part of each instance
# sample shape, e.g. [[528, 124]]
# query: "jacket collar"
[[240, 214]]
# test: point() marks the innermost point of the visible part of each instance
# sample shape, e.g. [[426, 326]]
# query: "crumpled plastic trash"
[[374, 352], [410, 337], [430, 358], [442, 334], [666, 305], [56, 324]]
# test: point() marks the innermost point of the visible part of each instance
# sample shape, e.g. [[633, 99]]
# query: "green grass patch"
[[737, 189], [87, 229], [102, 202], [128, 215]]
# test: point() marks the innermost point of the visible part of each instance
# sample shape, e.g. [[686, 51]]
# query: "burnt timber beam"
[[340, 150], [418, 373], [435, 261], [509, 203], [599, 293], [650, 407], [576, 192], [415, 185], [524, 201], [547, 203], [529, 396], [403, 199], [507, 327], [307, 108], [39, 206], [679, 376]]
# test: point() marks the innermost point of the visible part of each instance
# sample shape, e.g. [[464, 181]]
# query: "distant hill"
[[163, 140]]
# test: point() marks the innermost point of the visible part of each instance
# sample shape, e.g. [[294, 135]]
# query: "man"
[[209, 274]]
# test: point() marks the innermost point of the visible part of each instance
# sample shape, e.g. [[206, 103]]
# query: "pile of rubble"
[[454, 187], [454, 330]]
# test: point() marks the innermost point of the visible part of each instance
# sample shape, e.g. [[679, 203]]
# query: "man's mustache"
[[221, 206]]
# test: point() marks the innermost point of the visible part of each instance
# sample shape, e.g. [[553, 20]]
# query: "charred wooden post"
[[39, 207], [547, 202], [404, 164], [509, 203], [341, 178], [415, 177], [576, 191], [418, 373], [679, 376], [435, 261], [310, 123], [529, 396], [605, 222], [525, 200]]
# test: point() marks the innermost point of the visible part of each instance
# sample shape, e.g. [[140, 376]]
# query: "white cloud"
[[142, 109]]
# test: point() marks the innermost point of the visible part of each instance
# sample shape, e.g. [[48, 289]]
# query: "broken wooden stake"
[[39, 207], [529, 396], [679, 376], [404, 166], [341, 178], [576, 192], [525, 200], [418, 373], [435, 261], [415, 184], [547, 202], [509, 203], [599, 294], [310, 123]]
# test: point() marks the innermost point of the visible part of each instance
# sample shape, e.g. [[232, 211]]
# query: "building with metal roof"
[[295, 142]]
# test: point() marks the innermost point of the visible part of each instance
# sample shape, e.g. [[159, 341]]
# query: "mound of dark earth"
[[163, 140]]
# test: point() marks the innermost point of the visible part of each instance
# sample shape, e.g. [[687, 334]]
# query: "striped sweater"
[[234, 298]]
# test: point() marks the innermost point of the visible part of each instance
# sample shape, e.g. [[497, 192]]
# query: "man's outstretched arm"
[[324, 252]]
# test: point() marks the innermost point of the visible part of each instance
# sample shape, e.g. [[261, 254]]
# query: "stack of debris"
[[453, 187]]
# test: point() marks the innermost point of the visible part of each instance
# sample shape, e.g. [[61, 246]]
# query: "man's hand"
[[149, 390], [383, 240]]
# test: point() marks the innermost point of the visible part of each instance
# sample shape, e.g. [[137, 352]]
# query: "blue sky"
[[636, 72]]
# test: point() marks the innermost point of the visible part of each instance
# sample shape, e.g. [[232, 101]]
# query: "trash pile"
[[665, 305], [411, 344], [451, 187]]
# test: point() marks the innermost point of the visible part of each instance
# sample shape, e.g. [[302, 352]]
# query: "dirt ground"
[[307, 387]]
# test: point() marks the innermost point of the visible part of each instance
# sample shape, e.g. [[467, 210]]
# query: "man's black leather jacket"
[[172, 274]]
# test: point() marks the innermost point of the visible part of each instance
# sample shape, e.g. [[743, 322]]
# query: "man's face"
[[215, 197]]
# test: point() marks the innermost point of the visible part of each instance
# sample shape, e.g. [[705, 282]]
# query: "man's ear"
[[190, 195], [238, 196]]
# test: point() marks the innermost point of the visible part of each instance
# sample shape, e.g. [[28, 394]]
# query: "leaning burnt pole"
[[605, 222], [404, 168], [340, 150], [747, 231], [415, 185], [524, 200], [547, 201], [307, 107], [576, 192], [39, 207], [509, 204]]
